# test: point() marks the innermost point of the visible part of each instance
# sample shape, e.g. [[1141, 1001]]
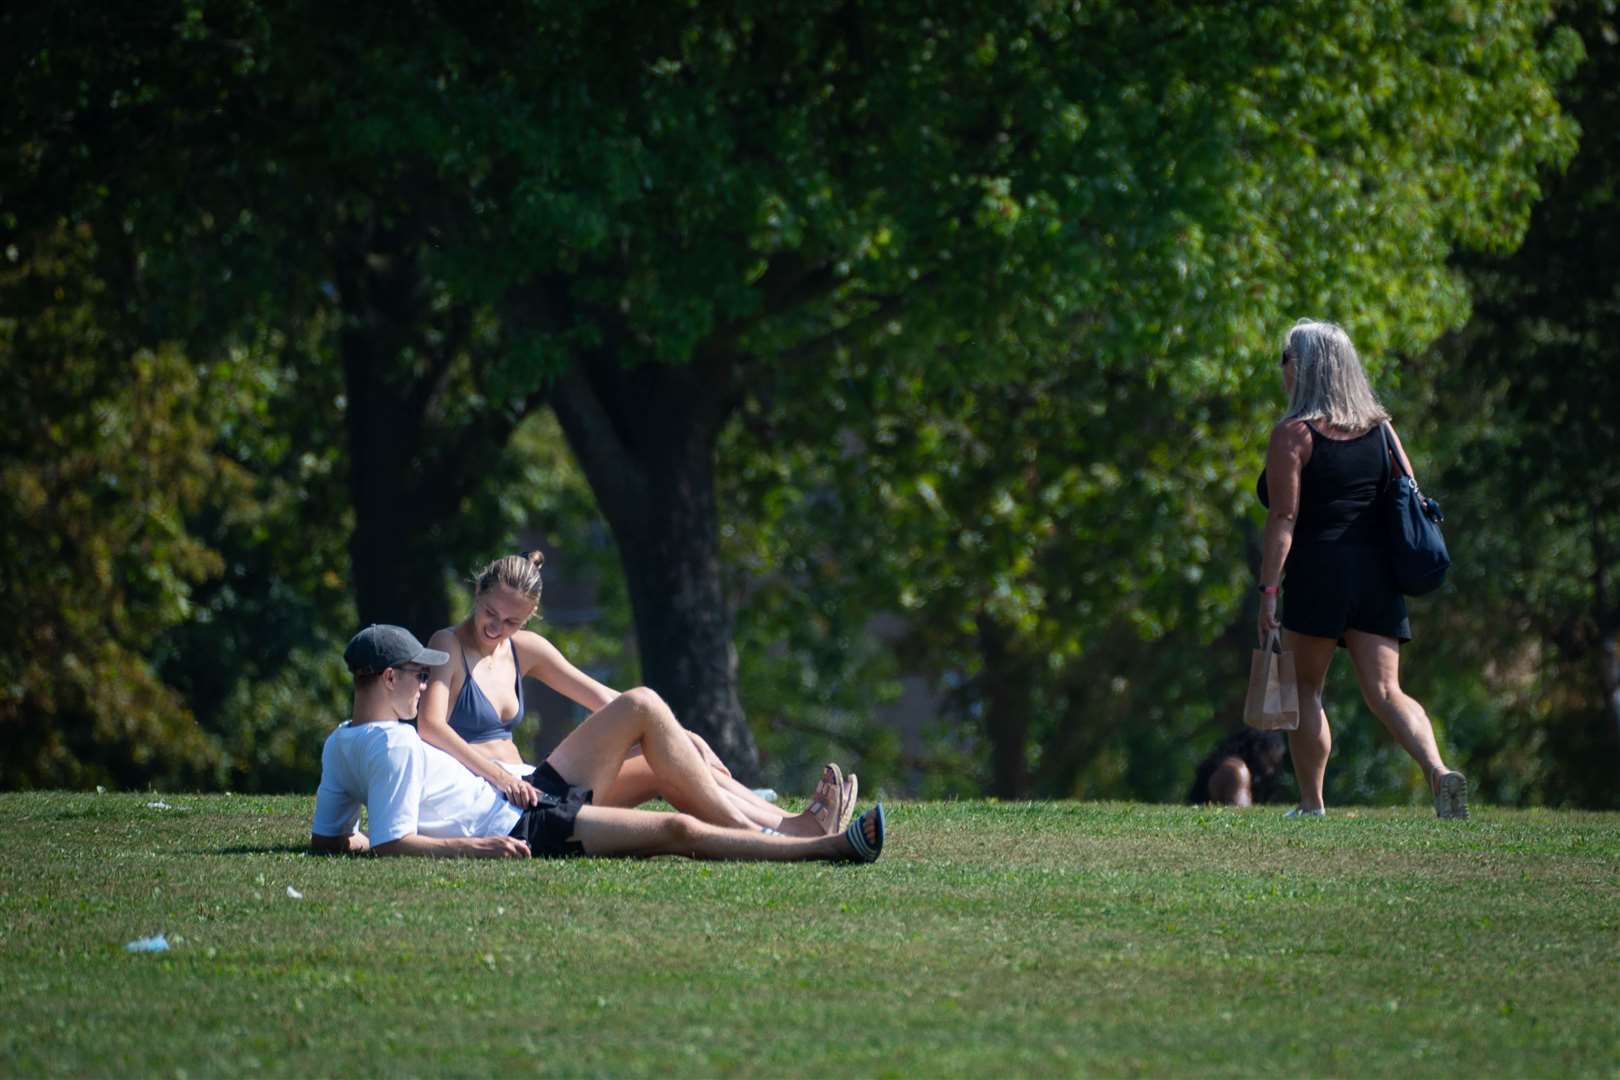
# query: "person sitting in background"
[[421, 801], [1243, 769], [475, 698]]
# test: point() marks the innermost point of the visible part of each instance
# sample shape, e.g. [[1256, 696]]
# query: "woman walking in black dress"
[[1324, 545]]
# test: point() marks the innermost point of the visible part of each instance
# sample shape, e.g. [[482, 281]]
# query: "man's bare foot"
[[864, 838]]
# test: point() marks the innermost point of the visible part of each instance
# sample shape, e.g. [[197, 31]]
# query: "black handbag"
[[1417, 550]]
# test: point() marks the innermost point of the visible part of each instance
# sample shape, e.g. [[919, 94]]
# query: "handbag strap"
[[1395, 453]]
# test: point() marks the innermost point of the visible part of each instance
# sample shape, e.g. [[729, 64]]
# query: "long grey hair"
[[1329, 384]]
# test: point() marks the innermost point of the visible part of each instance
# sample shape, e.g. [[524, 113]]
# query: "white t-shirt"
[[406, 786]]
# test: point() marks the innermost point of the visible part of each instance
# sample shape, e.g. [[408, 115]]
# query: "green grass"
[[990, 940]]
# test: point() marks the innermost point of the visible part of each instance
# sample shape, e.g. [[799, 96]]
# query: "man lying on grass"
[[421, 801]]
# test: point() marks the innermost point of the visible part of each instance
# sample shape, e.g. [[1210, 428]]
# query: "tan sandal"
[[852, 786], [827, 804]]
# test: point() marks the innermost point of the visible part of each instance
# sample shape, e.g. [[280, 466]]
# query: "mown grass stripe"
[[990, 939]]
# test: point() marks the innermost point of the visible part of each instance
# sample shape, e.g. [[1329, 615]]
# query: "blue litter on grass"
[[768, 794], [148, 944]]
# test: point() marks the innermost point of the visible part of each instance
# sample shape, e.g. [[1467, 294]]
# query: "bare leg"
[[636, 784], [763, 813], [1377, 661], [741, 793], [1310, 744], [593, 754], [614, 831], [744, 795]]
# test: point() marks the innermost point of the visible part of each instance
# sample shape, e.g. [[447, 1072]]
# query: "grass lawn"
[[1018, 939]]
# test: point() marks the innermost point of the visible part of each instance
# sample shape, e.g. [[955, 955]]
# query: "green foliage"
[[811, 673], [1522, 402], [107, 447], [131, 130], [135, 129], [1164, 178], [1054, 486], [995, 288], [257, 659]]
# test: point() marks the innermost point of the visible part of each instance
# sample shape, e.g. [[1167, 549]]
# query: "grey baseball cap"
[[381, 646]]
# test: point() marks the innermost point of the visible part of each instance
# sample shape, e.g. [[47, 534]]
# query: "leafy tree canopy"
[[1030, 226]]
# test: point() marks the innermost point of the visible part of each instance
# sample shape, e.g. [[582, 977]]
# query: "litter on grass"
[[158, 943], [294, 893], [768, 794], [159, 805]]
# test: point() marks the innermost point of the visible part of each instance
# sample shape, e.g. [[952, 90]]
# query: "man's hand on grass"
[[499, 847]]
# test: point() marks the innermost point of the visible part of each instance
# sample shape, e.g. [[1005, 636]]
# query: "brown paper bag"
[[1273, 701]]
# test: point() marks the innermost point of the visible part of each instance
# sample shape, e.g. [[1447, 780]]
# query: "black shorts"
[[549, 825], [1329, 588]]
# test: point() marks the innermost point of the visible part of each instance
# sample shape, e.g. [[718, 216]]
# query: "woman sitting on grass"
[[475, 698]]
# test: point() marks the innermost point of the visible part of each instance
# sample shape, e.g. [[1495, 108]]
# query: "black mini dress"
[[1338, 575]]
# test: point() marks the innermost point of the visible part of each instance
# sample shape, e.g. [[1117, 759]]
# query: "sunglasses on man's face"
[[422, 674]]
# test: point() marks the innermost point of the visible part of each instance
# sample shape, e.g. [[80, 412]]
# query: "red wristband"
[[1270, 590]]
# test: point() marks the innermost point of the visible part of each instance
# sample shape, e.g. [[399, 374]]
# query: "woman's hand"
[[518, 791], [1268, 621]]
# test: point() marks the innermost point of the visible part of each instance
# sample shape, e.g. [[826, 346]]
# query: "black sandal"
[[866, 850]]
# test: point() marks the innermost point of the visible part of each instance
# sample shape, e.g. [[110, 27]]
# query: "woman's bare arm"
[[1290, 448], [542, 660]]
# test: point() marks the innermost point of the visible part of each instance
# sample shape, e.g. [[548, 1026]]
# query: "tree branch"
[[431, 383], [888, 308]]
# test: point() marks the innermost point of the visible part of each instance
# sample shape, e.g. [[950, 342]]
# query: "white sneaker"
[[1300, 811], [1451, 795]]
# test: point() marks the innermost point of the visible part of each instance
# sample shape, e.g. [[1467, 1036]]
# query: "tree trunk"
[[1007, 687], [1607, 617], [1609, 665], [645, 438], [398, 575], [683, 619]]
